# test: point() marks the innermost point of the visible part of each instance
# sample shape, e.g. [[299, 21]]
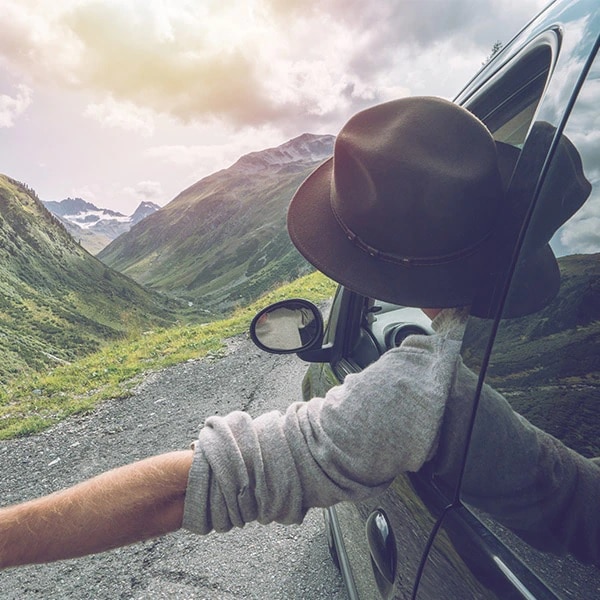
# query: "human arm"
[[348, 445], [542, 490], [128, 504], [272, 468]]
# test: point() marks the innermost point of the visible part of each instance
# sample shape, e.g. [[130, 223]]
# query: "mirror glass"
[[287, 326]]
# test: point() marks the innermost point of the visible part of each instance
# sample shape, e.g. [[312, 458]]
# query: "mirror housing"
[[288, 327]]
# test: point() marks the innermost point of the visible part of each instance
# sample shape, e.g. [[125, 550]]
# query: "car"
[[425, 538]]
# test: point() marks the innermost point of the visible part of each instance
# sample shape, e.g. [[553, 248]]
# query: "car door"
[[379, 542], [546, 365], [382, 541]]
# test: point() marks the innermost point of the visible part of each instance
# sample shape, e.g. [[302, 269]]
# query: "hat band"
[[408, 261]]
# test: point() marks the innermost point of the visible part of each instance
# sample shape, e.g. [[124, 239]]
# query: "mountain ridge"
[[222, 241], [96, 227], [305, 147]]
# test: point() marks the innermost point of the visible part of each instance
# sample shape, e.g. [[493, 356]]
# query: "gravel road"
[[273, 562]]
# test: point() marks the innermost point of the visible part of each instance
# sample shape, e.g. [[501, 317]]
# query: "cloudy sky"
[[120, 101]]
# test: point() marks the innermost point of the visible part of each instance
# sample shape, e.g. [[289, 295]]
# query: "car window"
[[546, 367], [384, 326], [474, 555], [508, 103]]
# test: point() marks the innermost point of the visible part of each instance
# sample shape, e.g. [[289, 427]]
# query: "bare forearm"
[[122, 506]]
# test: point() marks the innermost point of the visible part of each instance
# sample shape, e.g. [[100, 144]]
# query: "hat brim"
[[317, 235]]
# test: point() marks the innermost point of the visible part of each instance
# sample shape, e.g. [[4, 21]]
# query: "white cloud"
[[180, 154], [123, 115], [35, 41], [582, 235], [150, 190], [12, 107], [250, 63], [197, 160], [85, 192], [209, 81], [143, 191]]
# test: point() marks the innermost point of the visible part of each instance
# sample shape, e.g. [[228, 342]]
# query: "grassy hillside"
[[222, 242], [31, 403], [57, 302]]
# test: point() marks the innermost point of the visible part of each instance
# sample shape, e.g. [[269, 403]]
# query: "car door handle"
[[382, 547]]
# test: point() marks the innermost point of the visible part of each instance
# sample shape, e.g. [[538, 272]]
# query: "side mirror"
[[287, 327]]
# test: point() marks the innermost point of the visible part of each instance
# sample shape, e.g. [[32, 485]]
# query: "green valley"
[[57, 302]]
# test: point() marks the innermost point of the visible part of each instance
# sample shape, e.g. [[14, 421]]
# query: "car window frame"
[[480, 101], [342, 331], [524, 577], [456, 506]]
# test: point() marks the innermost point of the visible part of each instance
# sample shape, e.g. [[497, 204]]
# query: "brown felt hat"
[[411, 209], [408, 207]]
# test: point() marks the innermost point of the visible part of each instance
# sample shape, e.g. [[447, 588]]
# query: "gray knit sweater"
[[276, 467], [418, 399]]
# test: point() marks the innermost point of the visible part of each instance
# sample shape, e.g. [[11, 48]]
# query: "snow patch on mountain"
[[89, 219], [87, 216], [96, 227]]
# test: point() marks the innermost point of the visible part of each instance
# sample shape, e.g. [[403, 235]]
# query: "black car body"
[[421, 539]]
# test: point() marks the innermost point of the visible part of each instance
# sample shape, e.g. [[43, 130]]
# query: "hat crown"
[[408, 207], [416, 178]]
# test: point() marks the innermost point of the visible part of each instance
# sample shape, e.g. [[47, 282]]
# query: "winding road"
[[164, 413]]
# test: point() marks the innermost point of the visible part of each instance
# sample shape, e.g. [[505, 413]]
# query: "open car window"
[[546, 366], [507, 104]]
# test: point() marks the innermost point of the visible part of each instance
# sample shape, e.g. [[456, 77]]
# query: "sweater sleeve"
[[348, 445]]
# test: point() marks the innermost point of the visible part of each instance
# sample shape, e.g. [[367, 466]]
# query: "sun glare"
[[218, 26]]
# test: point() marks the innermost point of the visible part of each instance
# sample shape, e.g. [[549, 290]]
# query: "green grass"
[[30, 404]]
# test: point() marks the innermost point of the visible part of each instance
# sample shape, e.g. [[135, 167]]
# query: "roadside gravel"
[[274, 561]]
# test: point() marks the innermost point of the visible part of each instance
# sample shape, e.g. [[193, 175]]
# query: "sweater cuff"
[[195, 513]]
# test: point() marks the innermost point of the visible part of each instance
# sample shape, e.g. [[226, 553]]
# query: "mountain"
[[223, 241], [142, 211], [57, 301], [95, 227]]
